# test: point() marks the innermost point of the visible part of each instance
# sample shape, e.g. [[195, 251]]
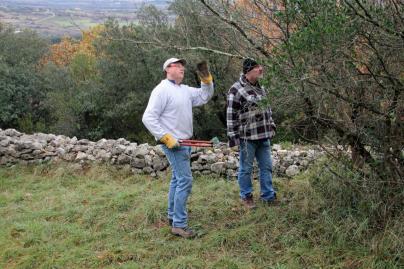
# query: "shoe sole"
[[186, 237]]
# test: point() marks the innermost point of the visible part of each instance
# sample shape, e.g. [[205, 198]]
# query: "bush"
[[347, 192]]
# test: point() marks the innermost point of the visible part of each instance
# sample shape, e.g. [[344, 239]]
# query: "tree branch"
[[238, 28], [367, 17], [168, 46]]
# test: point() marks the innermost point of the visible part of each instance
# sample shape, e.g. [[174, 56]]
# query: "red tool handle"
[[196, 144], [195, 141]]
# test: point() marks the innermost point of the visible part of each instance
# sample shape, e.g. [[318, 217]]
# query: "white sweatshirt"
[[170, 108]]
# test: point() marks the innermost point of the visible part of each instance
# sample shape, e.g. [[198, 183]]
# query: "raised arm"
[[202, 95]]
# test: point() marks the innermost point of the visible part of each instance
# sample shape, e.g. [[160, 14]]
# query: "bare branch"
[[168, 46], [238, 28], [367, 17]]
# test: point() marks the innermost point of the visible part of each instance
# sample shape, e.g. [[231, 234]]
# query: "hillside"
[[61, 17], [65, 217]]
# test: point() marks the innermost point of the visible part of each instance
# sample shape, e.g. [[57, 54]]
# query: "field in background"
[[100, 217], [60, 18]]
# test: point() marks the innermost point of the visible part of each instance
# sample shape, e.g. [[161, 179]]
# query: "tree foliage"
[[335, 71], [20, 95]]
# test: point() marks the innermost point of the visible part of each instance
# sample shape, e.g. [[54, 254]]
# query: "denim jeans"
[[261, 150], [180, 184]]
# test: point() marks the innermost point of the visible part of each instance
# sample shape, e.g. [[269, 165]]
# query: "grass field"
[[67, 22], [60, 217]]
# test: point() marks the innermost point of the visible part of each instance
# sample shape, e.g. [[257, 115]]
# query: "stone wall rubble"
[[16, 147]]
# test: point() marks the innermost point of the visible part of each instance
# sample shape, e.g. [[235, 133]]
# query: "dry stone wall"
[[16, 147]]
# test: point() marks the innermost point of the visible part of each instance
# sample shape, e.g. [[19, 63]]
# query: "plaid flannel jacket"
[[245, 119]]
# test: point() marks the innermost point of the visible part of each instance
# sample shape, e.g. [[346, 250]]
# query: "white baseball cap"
[[173, 60]]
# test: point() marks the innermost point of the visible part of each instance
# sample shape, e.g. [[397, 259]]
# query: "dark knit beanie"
[[248, 65]]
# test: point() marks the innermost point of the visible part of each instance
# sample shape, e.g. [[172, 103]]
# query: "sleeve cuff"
[[234, 141]]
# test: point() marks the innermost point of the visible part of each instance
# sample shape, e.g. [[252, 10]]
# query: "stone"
[[5, 142], [303, 154], [83, 142], [159, 163], [196, 166], [118, 149], [49, 153], [60, 151], [81, 156], [27, 156], [123, 141], [295, 153], [12, 133], [195, 156], [218, 168], [138, 163], [147, 170], [282, 152], [140, 152], [148, 159], [123, 159], [69, 157], [311, 153], [304, 163], [276, 147], [292, 170], [207, 158], [12, 152], [159, 151], [231, 173], [36, 152], [130, 149], [288, 160], [78, 148], [57, 142], [232, 163], [103, 155]]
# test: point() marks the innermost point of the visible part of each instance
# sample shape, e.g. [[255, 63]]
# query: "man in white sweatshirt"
[[168, 117]]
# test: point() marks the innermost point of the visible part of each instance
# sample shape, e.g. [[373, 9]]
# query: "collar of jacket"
[[172, 81], [243, 81]]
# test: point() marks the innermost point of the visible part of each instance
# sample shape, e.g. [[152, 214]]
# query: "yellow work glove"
[[169, 141], [202, 70]]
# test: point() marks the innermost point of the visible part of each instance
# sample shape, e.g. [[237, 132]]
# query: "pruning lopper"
[[196, 143], [199, 143]]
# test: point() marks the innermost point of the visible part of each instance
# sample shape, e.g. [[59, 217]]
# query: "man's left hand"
[[202, 69]]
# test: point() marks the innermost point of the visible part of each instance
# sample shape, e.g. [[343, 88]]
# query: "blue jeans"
[[180, 184], [260, 149]]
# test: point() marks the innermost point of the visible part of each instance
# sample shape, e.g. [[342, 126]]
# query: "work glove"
[[202, 69], [169, 141]]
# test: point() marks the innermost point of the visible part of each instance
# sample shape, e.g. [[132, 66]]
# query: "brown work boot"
[[183, 232], [248, 202], [273, 202]]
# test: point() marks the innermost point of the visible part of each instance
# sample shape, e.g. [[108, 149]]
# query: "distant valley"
[[56, 18]]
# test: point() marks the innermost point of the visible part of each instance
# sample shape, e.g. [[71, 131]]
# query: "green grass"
[[58, 217]]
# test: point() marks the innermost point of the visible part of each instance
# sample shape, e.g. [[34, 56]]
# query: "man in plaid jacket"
[[250, 126]]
